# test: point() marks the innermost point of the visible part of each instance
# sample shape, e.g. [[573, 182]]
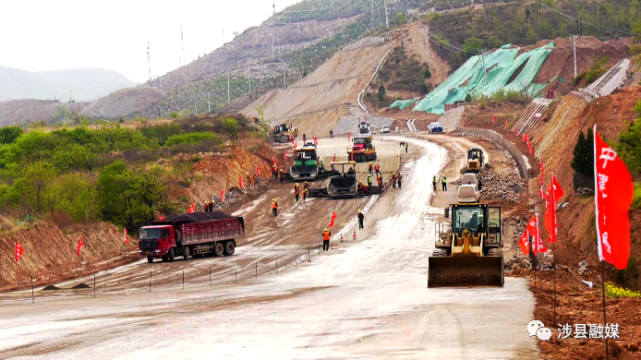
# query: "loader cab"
[[477, 219], [281, 128]]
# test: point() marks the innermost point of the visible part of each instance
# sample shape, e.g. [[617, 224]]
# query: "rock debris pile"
[[506, 188]]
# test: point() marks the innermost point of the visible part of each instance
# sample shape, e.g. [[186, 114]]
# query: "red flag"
[[550, 215], [541, 178], [541, 167], [19, 251], [274, 162], [533, 229], [331, 221], [291, 137], [352, 155], [334, 158], [493, 119], [162, 217], [222, 195], [558, 192], [80, 245], [541, 192], [614, 192], [505, 125], [315, 140], [516, 132], [348, 136], [126, 237], [258, 171], [240, 182], [531, 150], [524, 243], [524, 138], [284, 155]]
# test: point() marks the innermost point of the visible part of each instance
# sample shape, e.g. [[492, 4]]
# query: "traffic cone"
[[354, 238], [341, 237]]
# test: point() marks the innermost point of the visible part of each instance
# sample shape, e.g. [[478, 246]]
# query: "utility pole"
[[574, 46], [427, 45], [284, 80], [195, 111], [386, 20], [484, 68], [372, 18]]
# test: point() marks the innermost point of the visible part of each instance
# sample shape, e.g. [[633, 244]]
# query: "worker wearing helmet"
[[326, 236], [377, 168], [361, 220], [394, 178], [296, 191], [274, 207], [306, 186], [369, 168]]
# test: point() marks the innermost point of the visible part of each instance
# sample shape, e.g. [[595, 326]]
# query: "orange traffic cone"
[[354, 238]]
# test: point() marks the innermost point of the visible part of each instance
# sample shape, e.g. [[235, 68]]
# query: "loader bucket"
[[465, 271]]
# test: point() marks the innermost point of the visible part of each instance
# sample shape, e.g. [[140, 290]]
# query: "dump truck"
[[343, 184], [283, 133], [363, 150], [474, 162], [306, 164], [191, 234], [468, 253]]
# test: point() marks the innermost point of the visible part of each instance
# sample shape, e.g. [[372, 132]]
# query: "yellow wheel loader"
[[474, 162], [469, 252]]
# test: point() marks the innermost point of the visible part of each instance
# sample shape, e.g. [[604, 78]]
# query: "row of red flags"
[[614, 192]]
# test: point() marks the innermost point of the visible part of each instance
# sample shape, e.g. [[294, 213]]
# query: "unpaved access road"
[[362, 300]]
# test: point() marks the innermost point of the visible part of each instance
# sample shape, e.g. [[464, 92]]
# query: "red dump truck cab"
[[191, 234]]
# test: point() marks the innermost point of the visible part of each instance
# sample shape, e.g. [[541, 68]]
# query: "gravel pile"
[[501, 187]]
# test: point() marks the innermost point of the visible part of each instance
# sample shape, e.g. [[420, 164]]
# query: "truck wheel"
[[165, 258], [150, 259], [186, 253], [229, 248], [284, 139], [219, 249], [171, 255]]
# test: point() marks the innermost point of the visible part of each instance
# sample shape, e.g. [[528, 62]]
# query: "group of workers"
[[208, 207], [443, 183], [327, 234], [297, 191]]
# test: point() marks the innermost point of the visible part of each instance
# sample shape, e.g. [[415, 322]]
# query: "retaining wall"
[[521, 160]]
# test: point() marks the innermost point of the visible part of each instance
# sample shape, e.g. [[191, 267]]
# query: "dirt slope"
[[336, 83], [417, 45]]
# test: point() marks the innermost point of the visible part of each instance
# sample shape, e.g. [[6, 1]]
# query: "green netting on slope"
[[402, 104], [470, 78]]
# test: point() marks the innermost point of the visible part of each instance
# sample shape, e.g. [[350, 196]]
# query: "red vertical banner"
[[524, 243], [505, 129], [257, 170], [274, 162], [222, 195], [80, 245], [614, 192], [550, 215], [349, 135], [125, 235], [315, 141], [240, 182], [334, 158], [516, 132], [19, 251], [331, 220], [493, 119], [533, 229], [541, 167]]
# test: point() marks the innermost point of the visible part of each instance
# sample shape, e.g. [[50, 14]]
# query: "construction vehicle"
[[469, 252], [283, 133], [343, 184], [363, 149], [191, 234], [474, 162], [306, 164]]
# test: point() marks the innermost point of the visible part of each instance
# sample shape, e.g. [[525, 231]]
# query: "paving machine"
[[469, 252], [474, 162], [283, 133], [307, 165], [343, 184]]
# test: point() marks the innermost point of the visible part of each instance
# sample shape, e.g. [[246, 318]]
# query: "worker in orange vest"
[[275, 207], [380, 180], [281, 175], [275, 171], [206, 207], [305, 193], [394, 180], [326, 236], [377, 168], [296, 191], [369, 168]]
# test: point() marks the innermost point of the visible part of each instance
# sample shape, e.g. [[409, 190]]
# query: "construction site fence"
[[103, 282], [525, 169]]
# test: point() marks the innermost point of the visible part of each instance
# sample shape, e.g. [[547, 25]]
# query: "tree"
[[31, 190], [427, 74], [472, 46], [381, 92], [468, 98], [400, 18], [583, 161], [9, 134], [231, 127]]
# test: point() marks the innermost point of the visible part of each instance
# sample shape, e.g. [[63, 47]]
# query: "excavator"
[[283, 133], [474, 162], [469, 252]]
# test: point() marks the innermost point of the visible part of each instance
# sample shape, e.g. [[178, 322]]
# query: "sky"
[[42, 35]]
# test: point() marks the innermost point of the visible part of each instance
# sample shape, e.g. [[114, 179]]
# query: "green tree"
[[381, 92], [31, 190], [583, 161], [74, 194], [9, 134], [400, 18], [427, 74], [128, 199], [231, 127]]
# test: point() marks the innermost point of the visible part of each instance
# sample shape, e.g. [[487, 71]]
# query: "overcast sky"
[[50, 35]]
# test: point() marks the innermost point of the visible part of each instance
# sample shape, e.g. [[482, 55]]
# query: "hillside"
[[84, 83]]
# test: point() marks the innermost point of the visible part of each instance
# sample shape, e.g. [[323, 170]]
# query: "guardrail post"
[[150, 275], [209, 276], [183, 279], [94, 285], [33, 299]]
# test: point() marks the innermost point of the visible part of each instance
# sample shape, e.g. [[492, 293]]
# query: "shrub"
[[381, 92], [629, 147], [615, 292], [583, 161], [190, 138], [174, 114]]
